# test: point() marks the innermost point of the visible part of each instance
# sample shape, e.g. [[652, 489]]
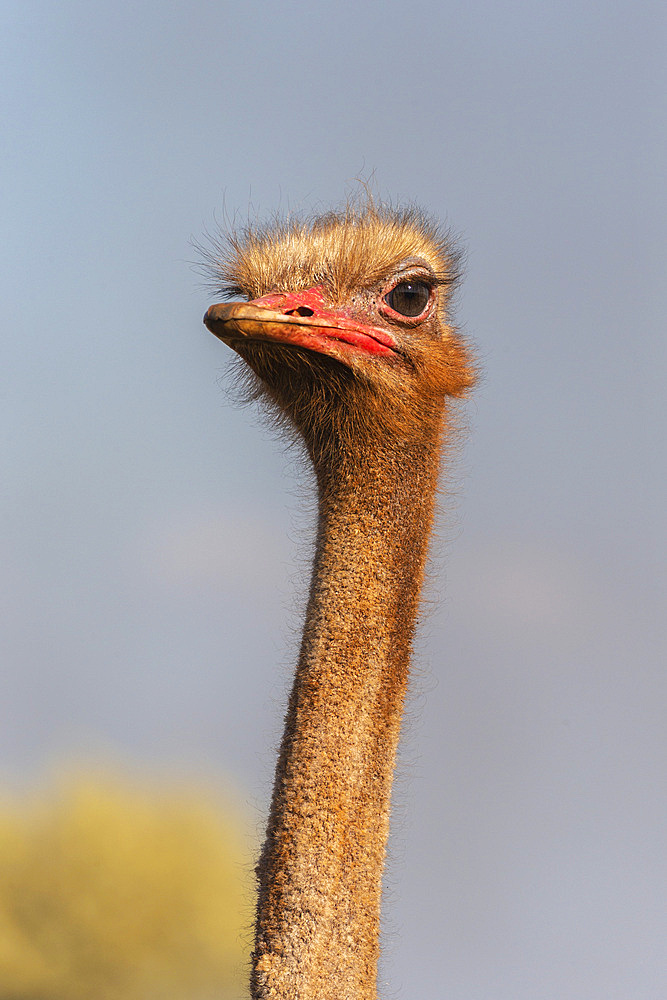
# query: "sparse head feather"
[[344, 250]]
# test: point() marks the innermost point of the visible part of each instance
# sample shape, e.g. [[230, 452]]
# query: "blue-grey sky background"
[[152, 535]]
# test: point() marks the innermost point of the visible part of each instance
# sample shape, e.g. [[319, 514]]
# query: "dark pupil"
[[410, 298]]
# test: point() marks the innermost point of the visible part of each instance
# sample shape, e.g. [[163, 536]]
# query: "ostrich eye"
[[409, 298]]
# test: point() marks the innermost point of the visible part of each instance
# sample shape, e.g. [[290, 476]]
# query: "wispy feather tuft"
[[354, 247]]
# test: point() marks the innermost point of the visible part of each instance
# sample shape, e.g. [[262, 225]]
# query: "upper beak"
[[300, 319]]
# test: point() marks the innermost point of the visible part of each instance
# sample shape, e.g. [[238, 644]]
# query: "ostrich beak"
[[301, 319]]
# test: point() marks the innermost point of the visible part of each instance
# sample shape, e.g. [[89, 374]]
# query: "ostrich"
[[345, 331]]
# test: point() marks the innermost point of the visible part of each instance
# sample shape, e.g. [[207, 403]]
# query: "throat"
[[320, 872]]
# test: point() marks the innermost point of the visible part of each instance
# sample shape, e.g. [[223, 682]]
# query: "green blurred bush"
[[109, 890]]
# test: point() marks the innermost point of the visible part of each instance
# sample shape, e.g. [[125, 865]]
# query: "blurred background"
[[155, 538]]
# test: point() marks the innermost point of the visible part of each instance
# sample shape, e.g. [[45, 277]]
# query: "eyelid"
[[416, 276], [413, 276], [412, 279]]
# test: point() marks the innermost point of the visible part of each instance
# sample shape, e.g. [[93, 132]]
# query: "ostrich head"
[[345, 321]]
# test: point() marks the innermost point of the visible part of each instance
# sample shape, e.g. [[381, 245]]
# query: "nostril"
[[300, 311]]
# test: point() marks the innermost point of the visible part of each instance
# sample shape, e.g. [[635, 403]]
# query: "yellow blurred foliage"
[[110, 890]]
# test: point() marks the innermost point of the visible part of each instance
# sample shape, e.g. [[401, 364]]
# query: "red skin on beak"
[[298, 318]]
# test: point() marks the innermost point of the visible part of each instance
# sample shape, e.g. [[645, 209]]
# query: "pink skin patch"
[[311, 324]]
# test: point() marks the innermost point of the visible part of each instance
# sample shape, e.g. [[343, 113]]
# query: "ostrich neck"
[[320, 872]]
